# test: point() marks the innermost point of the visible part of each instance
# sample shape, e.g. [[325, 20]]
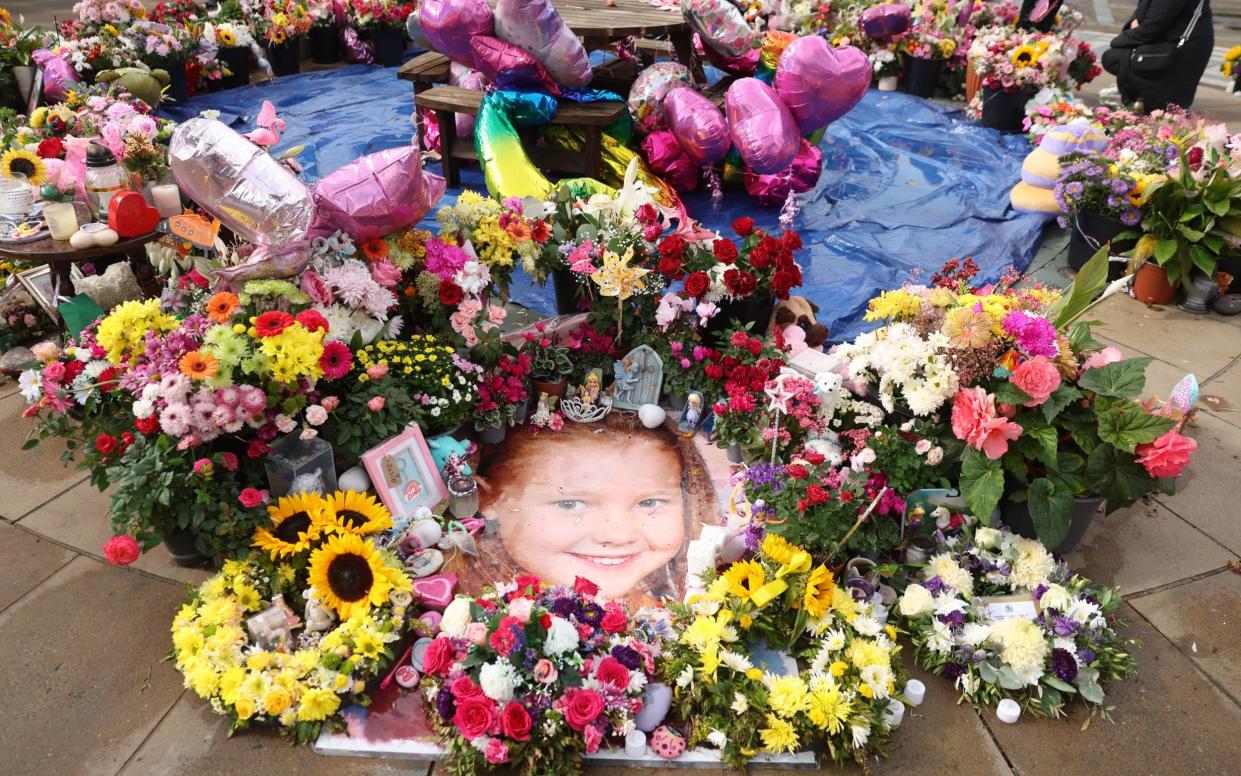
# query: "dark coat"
[[1163, 21]]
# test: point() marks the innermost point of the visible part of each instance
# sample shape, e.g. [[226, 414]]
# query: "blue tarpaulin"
[[906, 185]]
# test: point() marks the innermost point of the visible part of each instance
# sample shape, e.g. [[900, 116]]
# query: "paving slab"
[[1221, 395], [1202, 619], [84, 677], [29, 477], [1169, 719], [79, 518], [25, 561], [1194, 343], [1161, 376], [1202, 496], [1143, 547], [194, 739]]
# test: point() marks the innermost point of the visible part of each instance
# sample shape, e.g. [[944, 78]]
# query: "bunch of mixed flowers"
[[440, 382]]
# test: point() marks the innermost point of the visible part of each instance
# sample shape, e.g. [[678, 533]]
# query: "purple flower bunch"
[[1093, 184]]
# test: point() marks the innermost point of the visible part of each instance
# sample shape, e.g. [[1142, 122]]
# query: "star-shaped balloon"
[[616, 278]]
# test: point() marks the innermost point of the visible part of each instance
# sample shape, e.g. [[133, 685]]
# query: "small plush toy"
[[1039, 171], [445, 447], [146, 85], [793, 323]]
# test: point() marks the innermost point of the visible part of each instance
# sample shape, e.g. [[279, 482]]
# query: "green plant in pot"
[[550, 364]]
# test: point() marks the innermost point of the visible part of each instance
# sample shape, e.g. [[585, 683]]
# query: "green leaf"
[[982, 484], [1088, 284], [1091, 692], [1009, 679], [1051, 680], [1116, 477], [1121, 379], [1126, 425], [1007, 393], [1064, 395], [1070, 473], [31, 444], [1048, 442], [1219, 206], [1204, 261], [1051, 509], [1165, 250], [1193, 235]]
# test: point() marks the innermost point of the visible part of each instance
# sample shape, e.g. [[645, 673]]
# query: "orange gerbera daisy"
[[376, 249], [199, 365], [220, 308]]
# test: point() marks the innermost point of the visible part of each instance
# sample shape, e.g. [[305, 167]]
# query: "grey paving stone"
[[25, 561]]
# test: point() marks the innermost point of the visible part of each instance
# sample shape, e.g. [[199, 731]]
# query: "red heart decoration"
[[129, 215], [435, 592]]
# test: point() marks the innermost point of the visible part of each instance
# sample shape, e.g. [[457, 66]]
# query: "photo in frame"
[[40, 283], [404, 474]]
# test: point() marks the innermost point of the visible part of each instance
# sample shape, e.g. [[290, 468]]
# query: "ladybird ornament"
[[667, 742]]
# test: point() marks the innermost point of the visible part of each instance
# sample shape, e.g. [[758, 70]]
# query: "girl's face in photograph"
[[610, 512]]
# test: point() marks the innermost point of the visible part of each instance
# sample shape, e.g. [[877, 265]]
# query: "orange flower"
[[376, 249], [198, 365], [518, 230], [220, 308]]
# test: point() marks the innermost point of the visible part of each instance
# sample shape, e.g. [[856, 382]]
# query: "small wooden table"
[[599, 24], [60, 255]]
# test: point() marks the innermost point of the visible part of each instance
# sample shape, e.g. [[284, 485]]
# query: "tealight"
[[894, 714], [635, 743], [1008, 710], [915, 692]]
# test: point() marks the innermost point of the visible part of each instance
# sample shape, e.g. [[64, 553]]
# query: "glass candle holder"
[[16, 196], [463, 496], [167, 199], [62, 219]]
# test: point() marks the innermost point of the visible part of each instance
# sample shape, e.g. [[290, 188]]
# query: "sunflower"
[[297, 520], [198, 365], [1025, 56], [19, 161], [220, 308], [357, 513], [226, 37], [819, 591], [349, 575]]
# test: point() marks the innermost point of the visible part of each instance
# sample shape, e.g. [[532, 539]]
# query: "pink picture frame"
[[404, 474]]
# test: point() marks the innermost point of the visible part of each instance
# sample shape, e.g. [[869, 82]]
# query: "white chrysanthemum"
[[940, 638], [975, 633], [740, 704], [1021, 644], [867, 625], [878, 677], [950, 573], [561, 637], [498, 681], [1032, 565], [686, 677], [718, 739], [737, 662], [861, 734], [834, 640]]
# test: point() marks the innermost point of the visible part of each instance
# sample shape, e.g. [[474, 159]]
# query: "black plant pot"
[[1016, 515], [325, 44], [565, 286], [1003, 110], [237, 60], [754, 310], [389, 46], [286, 58], [922, 76], [183, 549], [1090, 232], [178, 83]]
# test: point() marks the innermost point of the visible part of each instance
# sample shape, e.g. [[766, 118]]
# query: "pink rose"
[[1167, 456], [496, 751], [377, 371], [476, 633], [385, 273], [545, 672], [203, 467], [464, 687], [54, 372], [121, 550], [975, 422], [439, 657], [582, 707], [593, 738], [314, 287], [229, 461], [1038, 377], [521, 608], [330, 403], [1108, 355], [475, 716], [496, 314], [375, 404], [251, 497]]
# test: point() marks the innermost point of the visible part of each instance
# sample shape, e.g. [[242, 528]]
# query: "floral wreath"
[[1059, 642]]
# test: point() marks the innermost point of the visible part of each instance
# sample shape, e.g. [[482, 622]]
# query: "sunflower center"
[[23, 166], [351, 518], [292, 526], [350, 577]]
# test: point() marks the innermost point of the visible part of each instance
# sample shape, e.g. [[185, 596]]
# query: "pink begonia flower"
[[1167, 456], [1038, 378], [1108, 355], [375, 404], [975, 422]]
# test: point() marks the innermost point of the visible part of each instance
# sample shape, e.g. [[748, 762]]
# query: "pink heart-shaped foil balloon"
[[698, 126], [818, 83], [762, 128], [881, 22]]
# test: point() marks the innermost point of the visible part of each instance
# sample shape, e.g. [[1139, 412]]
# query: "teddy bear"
[[794, 326], [146, 85]]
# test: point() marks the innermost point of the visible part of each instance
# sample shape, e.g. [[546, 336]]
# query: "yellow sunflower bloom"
[[350, 575], [357, 513], [297, 520], [19, 161], [1025, 56], [819, 587]]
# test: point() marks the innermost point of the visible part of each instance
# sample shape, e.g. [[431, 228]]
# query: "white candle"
[[894, 714], [1008, 711], [635, 743], [62, 219], [167, 199], [915, 692]]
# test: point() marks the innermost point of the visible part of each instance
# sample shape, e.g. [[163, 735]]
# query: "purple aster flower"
[[1086, 655], [1064, 664], [1062, 222], [1120, 186], [1131, 217], [1094, 171], [753, 536], [564, 607], [627, 656], [1074, 189], [590, 613]]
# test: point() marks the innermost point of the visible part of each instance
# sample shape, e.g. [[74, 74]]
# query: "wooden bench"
[[590, 118], [425, 71]]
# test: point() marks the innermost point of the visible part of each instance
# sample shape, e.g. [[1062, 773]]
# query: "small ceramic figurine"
[[589, 392], [691, 418], [543, 415], [627, 372], [318, 617]]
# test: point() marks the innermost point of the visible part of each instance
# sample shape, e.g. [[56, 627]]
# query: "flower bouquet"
[[352, 287], [293, 633], [281, 21], [739, 380], [441, 383], [502, 391], [1059, 644], [775, 657], [498, 234], [1228, 67], [384, 22], [533, 678]]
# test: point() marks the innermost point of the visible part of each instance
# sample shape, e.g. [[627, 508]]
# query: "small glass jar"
[[463, 496], [296, 465], [16, 195], [105, 177]]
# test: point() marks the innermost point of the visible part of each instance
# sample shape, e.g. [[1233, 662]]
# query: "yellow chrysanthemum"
[[787, 695], [348, 574], [819, 587], [357, 513], [864, 652], [778, 736], [893, 305], [297, 520], [829, 710], [19, 161], [706, 632], [123, 332], [317, 705]]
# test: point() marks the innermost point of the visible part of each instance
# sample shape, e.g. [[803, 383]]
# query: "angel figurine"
[[691, 418], [543, 415], [627, 372], [318, 617]]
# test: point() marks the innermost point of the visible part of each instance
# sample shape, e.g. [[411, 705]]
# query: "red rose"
[[105, 444], [782, 281], [796, 471], [744, 226], [582, 707], [646, 214], [272, 322], [545, 620], [614, 622], [450, 294], [257, 449], [515, 721], [121, 550], [147, 425], [672, 247], [697, 284], [739, 282], [464, 687], [51, 148], [813, 457], [670, 267], [724, 250], [611, 672], [528, 581], [583, 586], [760, 259], [439, 657], [791, 241], [475, 717], [312, 320]]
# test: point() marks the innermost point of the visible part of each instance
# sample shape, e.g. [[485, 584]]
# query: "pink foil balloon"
[[762, 128], [666, 157], [58, 77], [745, 64], [356, 50], [375, 195], [536, 27], [720, 24], [697, 125], [772, 190], [819, 83], [881, 22], [449, 25], [510, 67], [646, 96], [465, 78]]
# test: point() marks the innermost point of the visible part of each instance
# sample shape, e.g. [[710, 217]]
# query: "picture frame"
[[404, 474], [40, 283]]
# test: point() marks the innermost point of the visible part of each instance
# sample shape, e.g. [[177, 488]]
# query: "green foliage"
[[982, 483]]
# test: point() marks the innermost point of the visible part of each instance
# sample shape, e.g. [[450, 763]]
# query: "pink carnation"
[[1038, 378], [1167, 456], [975, 422], [496, 751]]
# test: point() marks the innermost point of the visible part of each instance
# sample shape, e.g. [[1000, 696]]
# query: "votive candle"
[[167, 199], [915, 692], [62, 219], [635, 743], [1008, 711], [894, 714]]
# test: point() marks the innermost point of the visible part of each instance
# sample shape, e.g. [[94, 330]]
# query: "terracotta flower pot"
[[1151, 285], [556, 389], [972, 81]]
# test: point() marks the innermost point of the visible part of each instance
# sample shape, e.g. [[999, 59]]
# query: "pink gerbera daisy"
[[336, 360]]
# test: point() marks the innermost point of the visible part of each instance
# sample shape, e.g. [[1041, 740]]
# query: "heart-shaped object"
[[435, 592], [129, 215], [818, 83], [433, 619], [881, 22], [762, 127]]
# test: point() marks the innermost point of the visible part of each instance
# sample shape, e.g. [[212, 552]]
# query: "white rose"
[[1056, 597], [916, 601], [935, 456], [456, 617], [986, 538]]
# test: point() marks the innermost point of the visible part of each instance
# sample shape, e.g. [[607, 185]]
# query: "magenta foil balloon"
[[882, 22], [697, 125], [818, 83], [646, 96], [772, 190], [536, 27], [745, 64], [357, 50], [762, 128], [375, 195], [664, 154], [510, 67], [58, 77], [720, 24], [465, 78], [449, 25]]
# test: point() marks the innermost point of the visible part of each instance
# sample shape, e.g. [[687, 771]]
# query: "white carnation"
[[561, 637], [498, 681]]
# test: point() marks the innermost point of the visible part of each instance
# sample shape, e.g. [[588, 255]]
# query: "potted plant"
[[19, 44], [324, 31], [501, 392], [1011, 65], [383, 21], [885, 67], [1103, 199], [739, 380], [443, 383], [927, 47], [234, 42], [550, 364], [281, 25], [168, 51]]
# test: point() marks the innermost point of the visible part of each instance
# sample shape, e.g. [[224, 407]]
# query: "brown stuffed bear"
[[800, 311]]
